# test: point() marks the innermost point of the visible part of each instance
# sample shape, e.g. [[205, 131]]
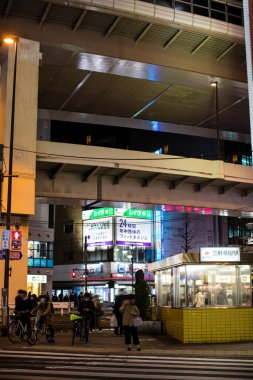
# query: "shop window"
[[218, 6], [183, 6], [236, 11], [213, 285], [218, 15], [68, 228], [201, 11], [235, 20], [202, 3], [166, 287], [165, 3], [40, 254]]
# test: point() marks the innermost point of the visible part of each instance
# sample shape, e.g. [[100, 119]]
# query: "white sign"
[[5, 239], [133, 231], [99, 232], [37, 278], [220, 254]]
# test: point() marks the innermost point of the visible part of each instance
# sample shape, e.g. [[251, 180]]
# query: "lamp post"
[[132, 264], [9, 41], [217, 116], [86, 264]]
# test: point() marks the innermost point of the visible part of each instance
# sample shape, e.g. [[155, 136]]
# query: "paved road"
[[39, 365]]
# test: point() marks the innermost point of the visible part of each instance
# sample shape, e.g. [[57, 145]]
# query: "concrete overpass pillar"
[[24, 157]]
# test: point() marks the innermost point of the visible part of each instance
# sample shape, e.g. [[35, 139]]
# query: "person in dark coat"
[[23, 306], [119, 299], [86, 308]]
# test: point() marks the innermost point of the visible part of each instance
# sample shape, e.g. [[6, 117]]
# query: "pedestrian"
[[60, 297], [66, 298], [130, 311], [86, 309], [116, 311], [98, 313], [44, 311]]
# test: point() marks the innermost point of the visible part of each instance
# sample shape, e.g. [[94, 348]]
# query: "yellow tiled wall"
[[208, 325]]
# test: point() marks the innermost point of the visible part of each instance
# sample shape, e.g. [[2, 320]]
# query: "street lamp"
[[215, 85], [9, 40]]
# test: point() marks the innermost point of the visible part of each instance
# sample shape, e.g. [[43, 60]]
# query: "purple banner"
[[134, 243]]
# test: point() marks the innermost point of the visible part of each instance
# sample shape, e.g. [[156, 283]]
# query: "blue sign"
[[14, 255]]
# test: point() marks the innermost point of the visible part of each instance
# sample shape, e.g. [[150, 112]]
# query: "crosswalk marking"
[[46, 366]]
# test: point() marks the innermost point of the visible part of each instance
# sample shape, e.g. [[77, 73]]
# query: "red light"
[[73, 275], [16, 235]]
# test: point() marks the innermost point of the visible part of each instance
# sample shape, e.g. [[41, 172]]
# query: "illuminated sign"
[[131, 231], [37, 278], [99, 232], [98, 213], [220, 254]]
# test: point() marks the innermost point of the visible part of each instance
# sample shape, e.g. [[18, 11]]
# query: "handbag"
[[137, 321], [113, 322]]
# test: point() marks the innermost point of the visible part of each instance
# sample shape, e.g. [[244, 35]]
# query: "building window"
[[68, 228], [40, 254]]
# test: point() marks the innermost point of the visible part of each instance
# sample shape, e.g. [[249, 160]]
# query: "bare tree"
[[188, 236]]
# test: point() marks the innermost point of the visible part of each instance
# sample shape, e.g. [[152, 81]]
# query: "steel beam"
[[224, 189], [226, 51], [149, 104], [118, 178], [143, 33], [174, 184], [56, 171], [199, 46], [79, 20], [201, 186], [172, 39], [80, 84], [90, 173], [246, 192], [45, 13], [147, 181], [112, 26]]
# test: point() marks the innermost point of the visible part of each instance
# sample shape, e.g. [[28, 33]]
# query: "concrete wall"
[[68, 247]]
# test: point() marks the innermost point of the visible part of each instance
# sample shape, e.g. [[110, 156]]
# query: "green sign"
[[98, 213], [138, 213], [110, 211]]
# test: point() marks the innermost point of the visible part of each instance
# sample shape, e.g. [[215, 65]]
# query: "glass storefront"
[[205, 286], [40, 254]]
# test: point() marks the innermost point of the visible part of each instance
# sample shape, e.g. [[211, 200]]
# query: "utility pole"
[[5, 291]]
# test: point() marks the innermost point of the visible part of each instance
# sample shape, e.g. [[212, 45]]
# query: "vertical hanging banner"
[[248, 29]]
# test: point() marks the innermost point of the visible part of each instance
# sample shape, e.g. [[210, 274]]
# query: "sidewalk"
[[104, 343]]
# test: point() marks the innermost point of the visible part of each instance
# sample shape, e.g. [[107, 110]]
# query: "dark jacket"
[[86, 309], [22, 305], [118, 302]]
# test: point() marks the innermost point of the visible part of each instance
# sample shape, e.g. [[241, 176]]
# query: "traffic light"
[[73, 274], [16, 237]]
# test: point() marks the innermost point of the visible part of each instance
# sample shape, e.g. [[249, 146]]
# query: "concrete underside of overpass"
[[81, 173], [106, 61]]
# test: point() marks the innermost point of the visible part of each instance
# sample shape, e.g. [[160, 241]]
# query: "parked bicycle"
[[78, 328], [17, 330]]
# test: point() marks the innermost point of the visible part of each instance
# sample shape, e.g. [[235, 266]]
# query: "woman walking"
[[130, 311]]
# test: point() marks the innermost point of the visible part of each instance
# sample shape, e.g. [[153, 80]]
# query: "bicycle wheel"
[[32, 337], [14, 331]]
